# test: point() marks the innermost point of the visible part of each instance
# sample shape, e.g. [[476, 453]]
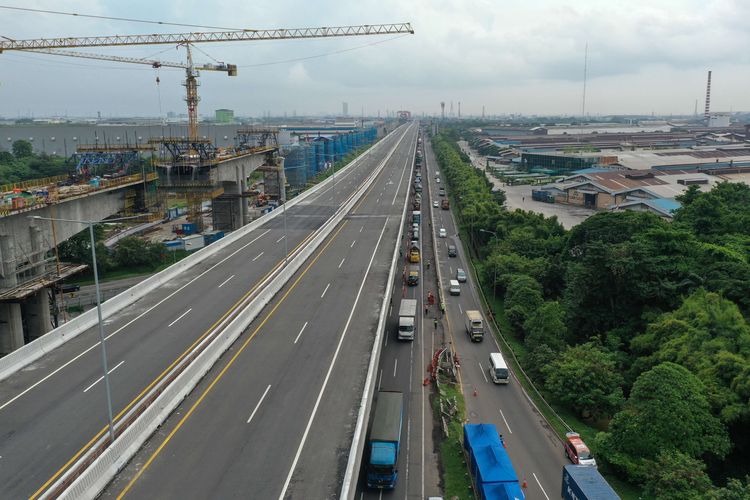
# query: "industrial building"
[[224, 116]]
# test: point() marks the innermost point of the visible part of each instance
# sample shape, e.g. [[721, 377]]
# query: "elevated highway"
[[54, 409]]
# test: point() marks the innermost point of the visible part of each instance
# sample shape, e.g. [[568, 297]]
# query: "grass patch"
[[74, 309], [455, 473]]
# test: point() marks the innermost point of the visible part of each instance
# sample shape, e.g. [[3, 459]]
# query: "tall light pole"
[[286, 237], [494, 279], [98, 309]]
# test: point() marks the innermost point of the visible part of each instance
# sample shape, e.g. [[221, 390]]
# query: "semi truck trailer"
[[385, 440]]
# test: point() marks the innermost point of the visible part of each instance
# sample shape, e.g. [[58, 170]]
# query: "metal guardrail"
[[499, 334], [348, 487], [33, 183], [93, 471]]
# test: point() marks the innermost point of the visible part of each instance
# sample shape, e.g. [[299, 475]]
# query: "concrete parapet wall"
[[32, 351]]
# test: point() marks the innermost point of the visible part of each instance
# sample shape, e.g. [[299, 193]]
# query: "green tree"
[[546, 326], [22, 149], [676, 476], [522, 297], [585, 378], [135, 252], [709, 336], [78, 249], [734, 490], [667, 411]]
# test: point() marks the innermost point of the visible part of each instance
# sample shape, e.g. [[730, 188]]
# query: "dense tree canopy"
[[586, 379], [639, 301], [667, 410], [24, 165]]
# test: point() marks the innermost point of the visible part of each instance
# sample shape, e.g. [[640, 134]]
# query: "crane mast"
[[49, 46]]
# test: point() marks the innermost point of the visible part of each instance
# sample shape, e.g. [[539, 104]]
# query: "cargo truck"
[[414, 255], [384, 441], [413, 279], [583, 482], [492, 473], [474, 325], [407, 319]]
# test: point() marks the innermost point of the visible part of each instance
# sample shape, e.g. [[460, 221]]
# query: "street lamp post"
[[494, 279], [98, 310], [286, 238]]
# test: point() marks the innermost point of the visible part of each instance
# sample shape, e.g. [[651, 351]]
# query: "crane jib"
[[211, 36]]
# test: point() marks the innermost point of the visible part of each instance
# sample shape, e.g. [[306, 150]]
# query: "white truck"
[[407, 319], [474, 325]]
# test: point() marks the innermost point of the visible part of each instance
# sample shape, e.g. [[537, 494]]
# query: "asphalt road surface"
[[275, 417], [403, 368], [50, 410], [533, 447]]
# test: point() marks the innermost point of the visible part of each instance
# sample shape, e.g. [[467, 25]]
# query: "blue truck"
[[583, 482], [491, 470], [385, 440]]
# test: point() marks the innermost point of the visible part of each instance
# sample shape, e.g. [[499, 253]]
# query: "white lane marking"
[[300, 332], [225, 281], [380, 378], [342, 262], [280, 238], [82, 354], [395, 366], [361, 228], [288, 480], [398, 188], [324, 291], [353, 242], [102, 377], [259, 256], [481, 369], [259, 402], [459, 309], [451, 270], [540, 485], [180, 317], [506, 424]]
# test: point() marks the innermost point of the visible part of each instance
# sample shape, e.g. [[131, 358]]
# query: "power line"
[[305, 58], [111, 18]]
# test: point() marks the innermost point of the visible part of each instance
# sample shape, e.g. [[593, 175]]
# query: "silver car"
[[460, 275]]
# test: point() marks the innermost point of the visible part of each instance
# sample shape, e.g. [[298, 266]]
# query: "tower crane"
[[186, 39]]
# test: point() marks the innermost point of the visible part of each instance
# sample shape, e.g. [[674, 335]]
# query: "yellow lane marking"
[[228, 365], [160, 376]]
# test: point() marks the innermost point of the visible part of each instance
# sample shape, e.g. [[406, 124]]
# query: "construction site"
[[184, 181]]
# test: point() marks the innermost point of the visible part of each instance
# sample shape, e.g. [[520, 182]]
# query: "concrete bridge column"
[[37, 250], [7, 262], [241, 180], [37, 314], [11, 327]]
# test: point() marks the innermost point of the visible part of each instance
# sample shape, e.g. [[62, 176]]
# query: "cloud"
[[510, 55]]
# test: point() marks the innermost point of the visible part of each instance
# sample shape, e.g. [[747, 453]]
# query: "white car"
[[435, 204], [437, 180], [443, 233], [437, 174]]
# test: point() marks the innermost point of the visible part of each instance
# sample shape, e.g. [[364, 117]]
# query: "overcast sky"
[[511, 56]]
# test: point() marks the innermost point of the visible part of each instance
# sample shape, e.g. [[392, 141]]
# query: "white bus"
[[498, 369]]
